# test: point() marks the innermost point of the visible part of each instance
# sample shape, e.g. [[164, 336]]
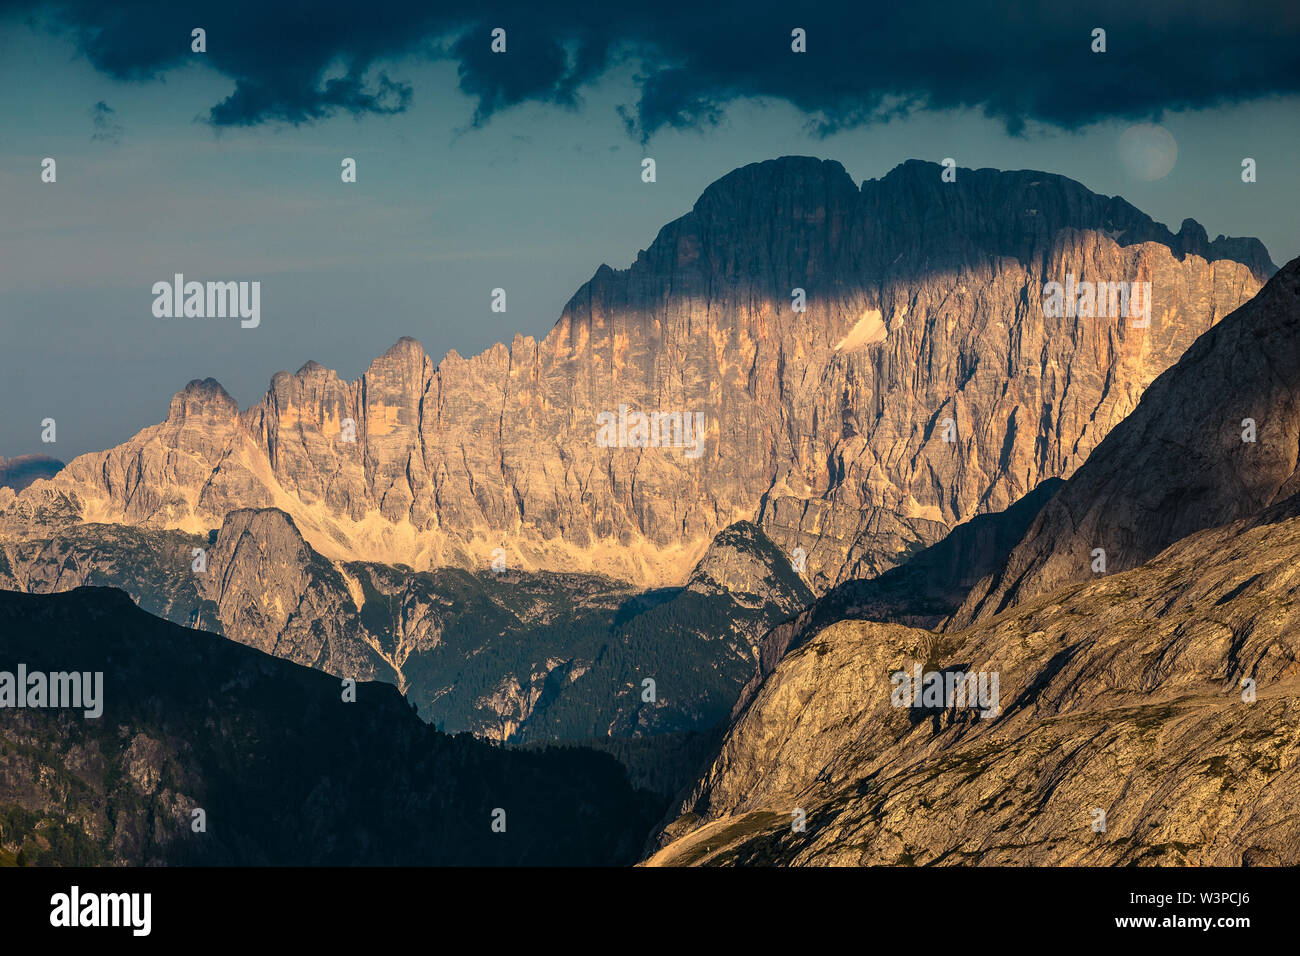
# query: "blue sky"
[[533, 199]]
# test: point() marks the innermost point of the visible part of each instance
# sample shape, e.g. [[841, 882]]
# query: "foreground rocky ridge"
[[824, 427], [1123, 695], [925, 591]]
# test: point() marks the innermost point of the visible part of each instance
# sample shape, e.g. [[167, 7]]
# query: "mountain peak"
[[800, 222], [404, 351], [202, 397], [799, 188], [743, 561], [788, 170], [1018, 212]]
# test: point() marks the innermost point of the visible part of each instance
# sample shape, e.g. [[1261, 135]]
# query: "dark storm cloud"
[[298, 61]]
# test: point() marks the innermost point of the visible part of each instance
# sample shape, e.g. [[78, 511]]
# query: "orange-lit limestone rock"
[[1216, 438], [923, 320]]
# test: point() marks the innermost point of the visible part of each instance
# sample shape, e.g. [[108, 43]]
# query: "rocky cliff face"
[[924, 591], [1145, 715], [509, 656], [1123, 695], [1215, 438], [827, 428], [744, 565], [273, 592]]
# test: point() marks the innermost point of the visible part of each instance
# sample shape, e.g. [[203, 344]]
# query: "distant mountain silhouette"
[[19, 472]]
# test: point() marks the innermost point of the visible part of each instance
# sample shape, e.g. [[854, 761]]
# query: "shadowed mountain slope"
[[508, 655], [286, 771]]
